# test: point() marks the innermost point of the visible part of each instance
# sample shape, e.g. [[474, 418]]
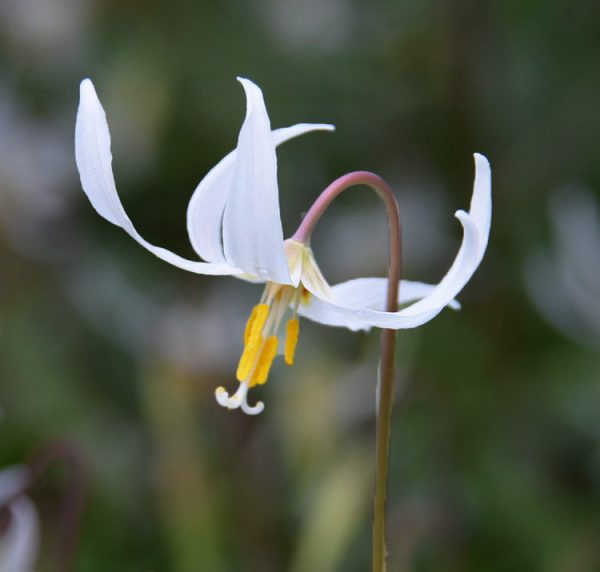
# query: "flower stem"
[[385, 395]]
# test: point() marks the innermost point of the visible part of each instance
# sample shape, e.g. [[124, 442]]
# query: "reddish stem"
[[385, 395]]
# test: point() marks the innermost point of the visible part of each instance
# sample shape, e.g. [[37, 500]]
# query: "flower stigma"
[[261, 342]]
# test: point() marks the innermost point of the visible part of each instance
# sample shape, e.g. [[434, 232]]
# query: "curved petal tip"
[[479, 157], [87, 91], [253, 92], [325, 127]]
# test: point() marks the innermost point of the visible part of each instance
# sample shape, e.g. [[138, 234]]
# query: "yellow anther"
[[267, 355], [256, 321], [249, 323], [249, 356], [291, 340]]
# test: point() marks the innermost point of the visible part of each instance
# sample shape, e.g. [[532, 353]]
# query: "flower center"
[[261, 342]]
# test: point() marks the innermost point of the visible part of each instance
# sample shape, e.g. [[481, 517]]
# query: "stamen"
[[263, 366], [249, 323], [252, 340], [291, 340], [249, 356], [256, 321]]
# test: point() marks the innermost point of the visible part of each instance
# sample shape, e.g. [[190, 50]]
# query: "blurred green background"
[[495, 452]]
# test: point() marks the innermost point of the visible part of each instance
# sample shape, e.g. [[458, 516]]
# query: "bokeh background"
[[495, 452]]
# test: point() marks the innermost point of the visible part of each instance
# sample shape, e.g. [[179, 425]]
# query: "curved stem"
[[385, 395]]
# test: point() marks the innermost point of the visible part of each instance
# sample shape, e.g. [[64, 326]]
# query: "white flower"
[[234, 224], [564, 281], [19, 542]]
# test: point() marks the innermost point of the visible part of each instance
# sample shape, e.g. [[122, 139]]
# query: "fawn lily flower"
[[234, 224], [19, 540]]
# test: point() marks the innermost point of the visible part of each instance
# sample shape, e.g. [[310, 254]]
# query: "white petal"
[[252, 232], [94, 159], [207, 205], [371, 292], [476, 227], [12, 480], [19, 544], [363, 293]]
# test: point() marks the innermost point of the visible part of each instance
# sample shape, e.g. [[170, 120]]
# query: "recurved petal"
[[12, 480], [207, 205], [252, 231], [94, 162], [19, 542], [476, 227], [363, 293]]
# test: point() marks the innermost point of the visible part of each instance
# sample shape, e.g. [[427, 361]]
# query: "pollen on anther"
[[249, 356], [256, 321], [263, 366], [291, 340]]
